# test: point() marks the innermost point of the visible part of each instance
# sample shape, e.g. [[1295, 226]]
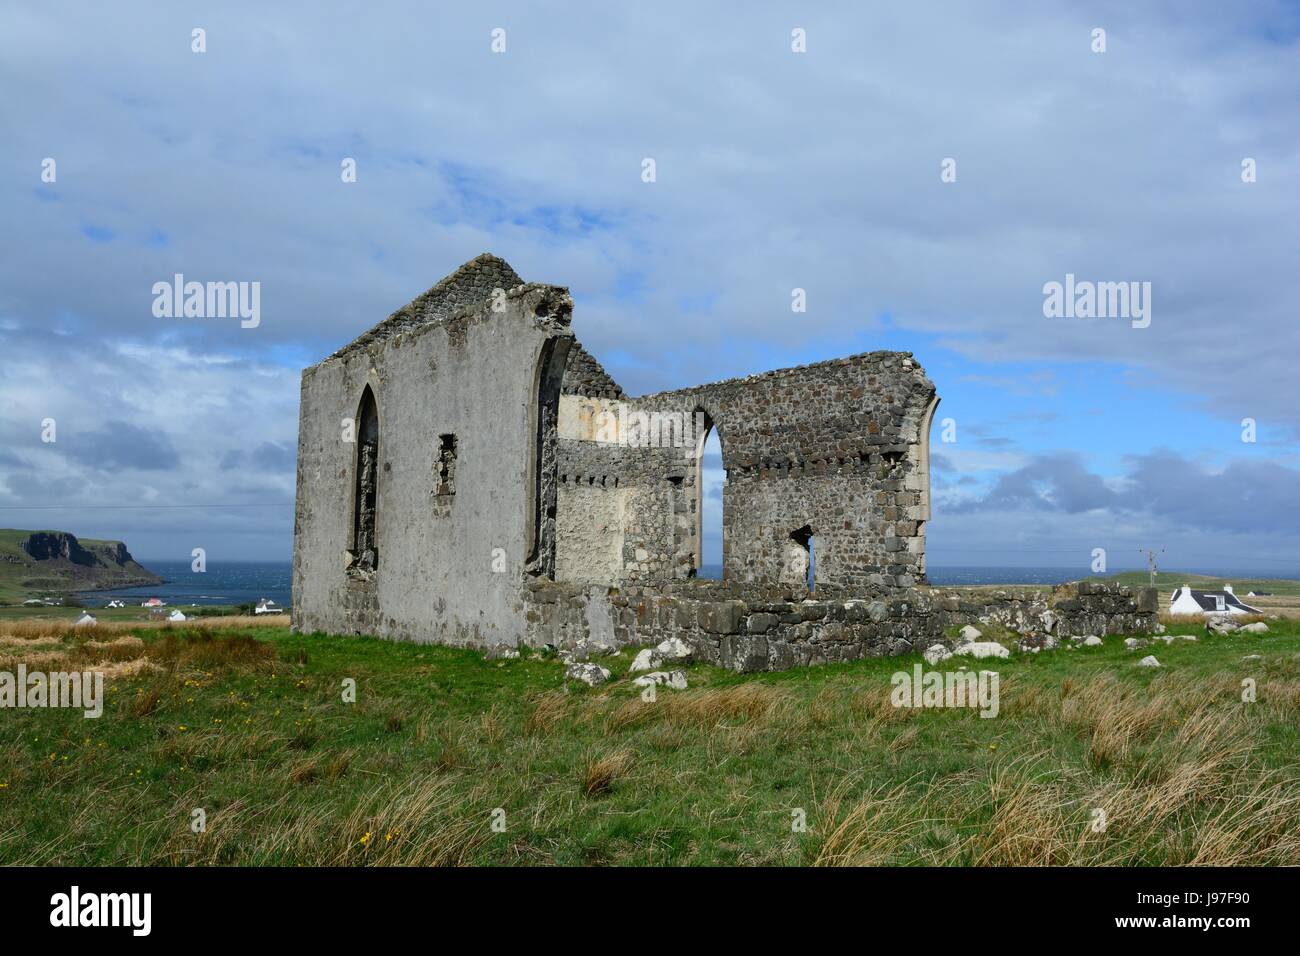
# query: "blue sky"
[[775, 170]]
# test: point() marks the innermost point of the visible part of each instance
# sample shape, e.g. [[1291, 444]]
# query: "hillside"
[[34, 563]]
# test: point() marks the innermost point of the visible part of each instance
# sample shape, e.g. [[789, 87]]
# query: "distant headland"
[[33, 563]]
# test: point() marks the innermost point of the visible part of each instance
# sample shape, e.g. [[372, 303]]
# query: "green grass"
[[250, 726]]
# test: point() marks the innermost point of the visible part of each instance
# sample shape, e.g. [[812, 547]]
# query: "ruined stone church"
[[469, 474]]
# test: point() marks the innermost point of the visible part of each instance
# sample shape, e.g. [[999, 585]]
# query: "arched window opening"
[[802, 559], [710, 487], [365, 544]]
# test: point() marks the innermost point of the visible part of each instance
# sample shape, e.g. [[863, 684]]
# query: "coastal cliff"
[[40, 562]]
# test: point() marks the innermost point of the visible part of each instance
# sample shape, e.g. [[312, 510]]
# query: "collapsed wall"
[[740, 628], [826, 462], [1069, 610]]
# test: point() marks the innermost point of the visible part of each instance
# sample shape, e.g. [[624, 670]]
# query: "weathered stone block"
[[721, 617]]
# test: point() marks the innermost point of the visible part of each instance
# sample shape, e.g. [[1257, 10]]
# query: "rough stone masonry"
[[469, 474]]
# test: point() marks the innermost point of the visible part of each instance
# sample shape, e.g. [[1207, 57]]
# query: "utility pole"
[[1151, 563]]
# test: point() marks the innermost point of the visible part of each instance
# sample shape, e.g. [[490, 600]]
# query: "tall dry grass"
[[65, 630], [409, 822], [1170, 777]]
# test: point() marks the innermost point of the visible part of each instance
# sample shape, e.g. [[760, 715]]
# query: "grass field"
[[245, 721]]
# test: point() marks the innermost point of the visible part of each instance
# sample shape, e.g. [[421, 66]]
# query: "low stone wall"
[[1068, 610], [742, 628], [747, 628]]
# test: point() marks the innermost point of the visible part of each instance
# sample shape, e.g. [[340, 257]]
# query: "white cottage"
[[1187, 601]]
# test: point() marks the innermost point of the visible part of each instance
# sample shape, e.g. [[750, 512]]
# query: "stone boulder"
[[1033, 643], [1134, 643], [935, 654], [1259, 627], [674, 679], [1221, 625], [675, 651], [1149, 661], [590, 674], [672, 651], [968, 634], [982, 649]]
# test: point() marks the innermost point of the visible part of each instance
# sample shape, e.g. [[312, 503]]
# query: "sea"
[[224, 582], [969, 576], [246, 582]]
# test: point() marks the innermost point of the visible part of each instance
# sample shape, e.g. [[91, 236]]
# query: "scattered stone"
[[1033, 643], [672, 651], [589, 674], [1160, 628], [982, 649], [1092, 640], [1221, 625], [936, 653], [676, 680], [1133, 643], [1259, 627], [645, 660], [675, 651], [968, 634], [1149, 661], [1253, 657], [501, 652]]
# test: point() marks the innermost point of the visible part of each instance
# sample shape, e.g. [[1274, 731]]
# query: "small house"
[[1187, 601]]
